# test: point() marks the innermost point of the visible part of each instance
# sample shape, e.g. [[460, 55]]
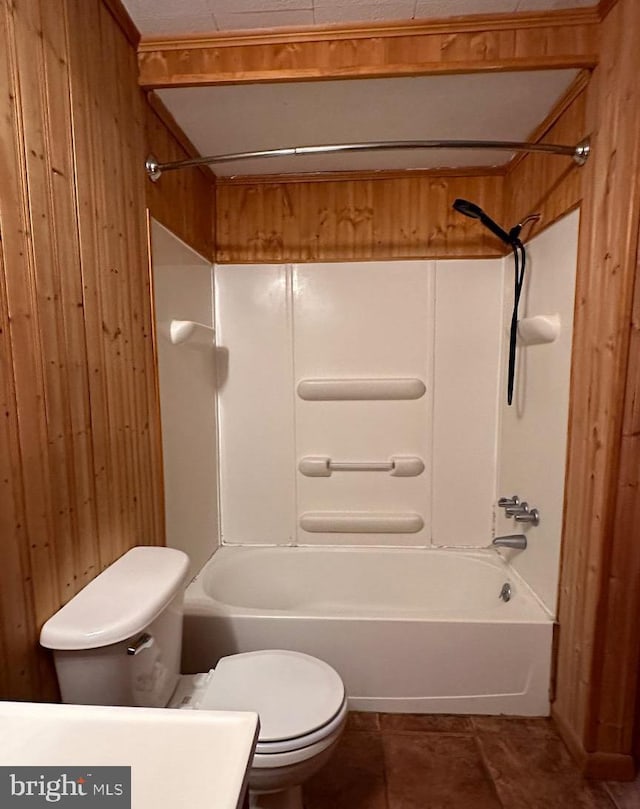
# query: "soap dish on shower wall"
[[180, 331], [538, 329]]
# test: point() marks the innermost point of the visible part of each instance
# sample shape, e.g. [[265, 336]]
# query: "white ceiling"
[[172, 17], [252, 117]]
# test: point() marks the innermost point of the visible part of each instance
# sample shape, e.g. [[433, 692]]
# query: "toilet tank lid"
[[120, 602]]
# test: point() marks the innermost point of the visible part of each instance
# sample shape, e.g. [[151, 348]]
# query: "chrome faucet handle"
[[507, 502], [514, 511], [532, 516]]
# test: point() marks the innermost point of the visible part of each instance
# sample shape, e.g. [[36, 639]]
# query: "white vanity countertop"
[[194, 759]]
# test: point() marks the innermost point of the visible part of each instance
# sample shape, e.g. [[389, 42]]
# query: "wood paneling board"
[[492, 42], [29, 447], [121, 16], [600, 565], [112, 229], [63, 229], [618, 625], [17, 676], [143, 360], [80, 468], [370, 219], [183, 201]]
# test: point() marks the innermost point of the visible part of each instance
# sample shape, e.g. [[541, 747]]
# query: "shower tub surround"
[[362, 444], [409, 630]]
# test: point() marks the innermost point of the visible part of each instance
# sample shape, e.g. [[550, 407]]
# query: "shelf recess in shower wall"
[[324, 390], [361, 522]]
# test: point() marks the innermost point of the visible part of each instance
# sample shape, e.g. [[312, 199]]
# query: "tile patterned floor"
[[409, 761]]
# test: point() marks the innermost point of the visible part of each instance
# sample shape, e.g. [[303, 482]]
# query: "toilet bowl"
[[118, 641], [302, 708]]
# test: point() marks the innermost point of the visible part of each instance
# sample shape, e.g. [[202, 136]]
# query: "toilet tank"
[[117, 642]]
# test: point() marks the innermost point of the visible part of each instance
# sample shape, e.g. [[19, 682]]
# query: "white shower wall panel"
[[364, 320], [183, 290], [534, 429], [282, 324], [468, 326], [255, 401]]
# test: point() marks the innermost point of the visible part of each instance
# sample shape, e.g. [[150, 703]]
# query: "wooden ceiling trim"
[[563, 41], [476, 23]]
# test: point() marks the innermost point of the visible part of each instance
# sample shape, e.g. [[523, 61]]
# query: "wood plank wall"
[[262, 220], [618, 627], [600, 594], [80, 465]]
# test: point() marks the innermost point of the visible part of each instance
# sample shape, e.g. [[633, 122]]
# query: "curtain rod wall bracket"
[[579, 153], [583, 150], [152, 167]]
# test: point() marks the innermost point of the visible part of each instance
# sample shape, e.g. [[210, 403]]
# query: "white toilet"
[[117, 642]]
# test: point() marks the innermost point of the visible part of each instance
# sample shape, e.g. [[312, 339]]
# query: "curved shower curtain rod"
[[579, 153]]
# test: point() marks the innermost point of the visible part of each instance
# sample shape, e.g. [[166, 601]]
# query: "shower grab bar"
[[361, 466], [321, 466], [334, 390], [361, 522]]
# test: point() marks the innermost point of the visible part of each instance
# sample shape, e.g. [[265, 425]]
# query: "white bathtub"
[[409, 630]]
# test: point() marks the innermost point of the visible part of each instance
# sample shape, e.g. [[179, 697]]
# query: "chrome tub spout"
[[515, 541]]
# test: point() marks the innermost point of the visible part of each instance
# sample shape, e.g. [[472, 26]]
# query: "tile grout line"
[[610, 796], [485, 763], [387, 798]]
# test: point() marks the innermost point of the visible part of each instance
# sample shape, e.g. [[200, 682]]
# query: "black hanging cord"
[[512, 238], [519, 264]]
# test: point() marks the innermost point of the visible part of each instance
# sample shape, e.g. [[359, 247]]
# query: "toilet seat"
[[300, 742], [300, 699], [288, 758]]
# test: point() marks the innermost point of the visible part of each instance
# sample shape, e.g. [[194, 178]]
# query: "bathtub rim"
[[197, 601]]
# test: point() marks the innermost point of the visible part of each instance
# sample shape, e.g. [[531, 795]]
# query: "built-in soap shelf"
[[361, 522], [182, 330], [538, 330], [329, 390], [321, 466]]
